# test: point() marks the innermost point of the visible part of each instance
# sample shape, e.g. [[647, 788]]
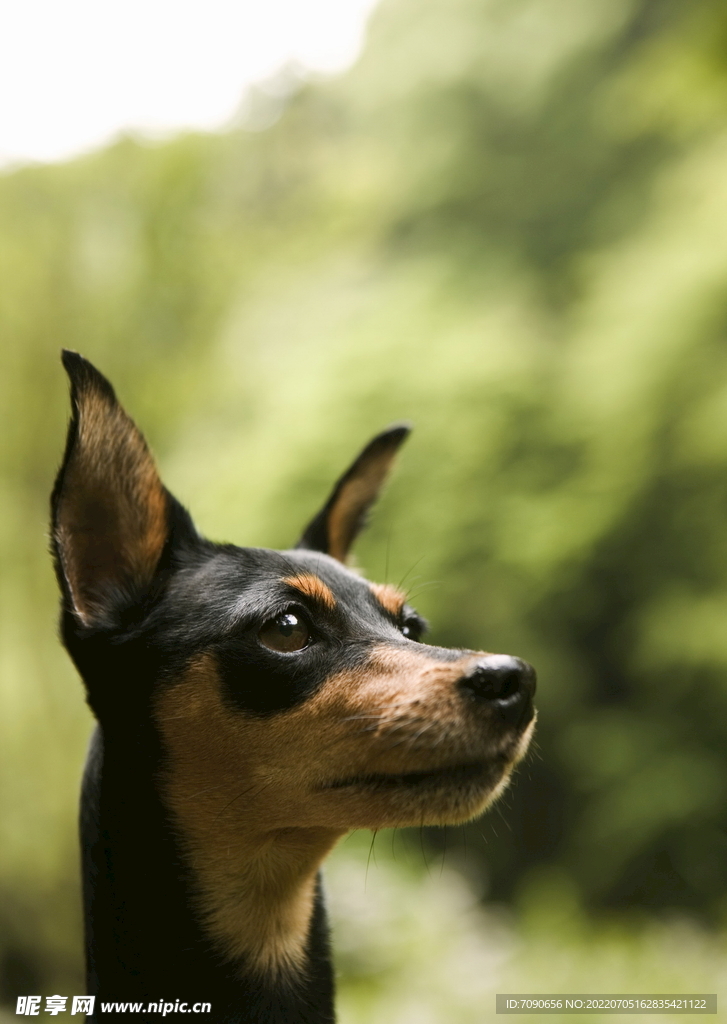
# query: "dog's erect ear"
[[334, 529], [109, 507]]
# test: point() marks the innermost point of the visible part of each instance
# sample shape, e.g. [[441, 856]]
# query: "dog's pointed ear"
[[110, 511], [336, 526]]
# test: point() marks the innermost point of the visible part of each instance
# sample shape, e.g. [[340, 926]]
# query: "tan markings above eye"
[[391, 598], [313, 587], [286, 634]]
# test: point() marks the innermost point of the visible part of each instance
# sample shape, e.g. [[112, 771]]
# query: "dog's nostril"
[[500, 679]]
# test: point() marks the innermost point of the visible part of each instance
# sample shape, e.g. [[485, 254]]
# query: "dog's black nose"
[[504, 682]]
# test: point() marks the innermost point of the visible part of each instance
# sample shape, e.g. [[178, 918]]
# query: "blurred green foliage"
[[415, 946], [508, 222]]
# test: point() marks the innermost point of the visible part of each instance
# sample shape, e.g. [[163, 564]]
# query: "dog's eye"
[[286, 633], [412, 629]]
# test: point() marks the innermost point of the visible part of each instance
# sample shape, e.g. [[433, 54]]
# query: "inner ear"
[[336, 526], [110, 510]]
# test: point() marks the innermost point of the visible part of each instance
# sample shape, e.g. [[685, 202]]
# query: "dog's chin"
[[448, 795]]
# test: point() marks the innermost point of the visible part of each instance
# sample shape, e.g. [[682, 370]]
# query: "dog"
[[252, 707]]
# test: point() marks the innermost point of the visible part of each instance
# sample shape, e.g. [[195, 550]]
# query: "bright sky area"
[[76, 73]]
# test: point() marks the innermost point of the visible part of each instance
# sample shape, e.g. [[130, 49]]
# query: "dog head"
[[281, 684]]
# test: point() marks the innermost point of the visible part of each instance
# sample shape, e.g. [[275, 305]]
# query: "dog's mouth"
[[452, 776]]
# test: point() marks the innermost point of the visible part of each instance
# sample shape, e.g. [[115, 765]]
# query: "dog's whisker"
[[410, 571], [359, 718], [422, 587], [245, 792]]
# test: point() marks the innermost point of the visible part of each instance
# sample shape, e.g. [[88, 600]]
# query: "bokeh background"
[[506, 222]]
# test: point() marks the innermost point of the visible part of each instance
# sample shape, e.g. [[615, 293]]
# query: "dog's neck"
[[254, 875], [151, 932]]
